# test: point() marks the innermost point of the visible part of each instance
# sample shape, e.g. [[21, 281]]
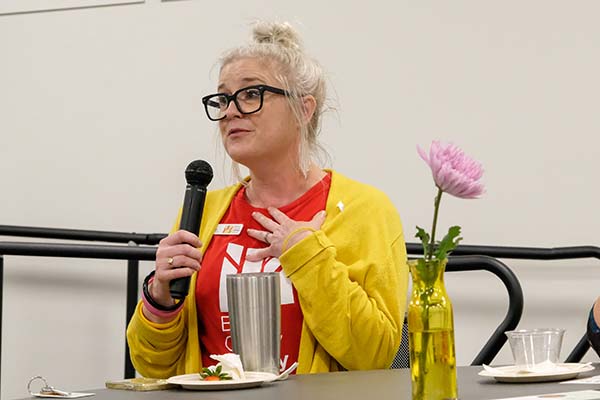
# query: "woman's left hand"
[[280, 231]]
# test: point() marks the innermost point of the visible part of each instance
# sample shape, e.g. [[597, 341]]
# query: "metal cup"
[[254, 303]]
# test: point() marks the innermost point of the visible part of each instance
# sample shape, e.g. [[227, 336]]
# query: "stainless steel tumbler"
[[254, 303]]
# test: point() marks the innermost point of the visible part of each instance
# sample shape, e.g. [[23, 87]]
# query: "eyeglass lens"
[[247, 101]]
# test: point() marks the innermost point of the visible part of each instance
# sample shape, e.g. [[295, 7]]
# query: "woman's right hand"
[[177, 257]]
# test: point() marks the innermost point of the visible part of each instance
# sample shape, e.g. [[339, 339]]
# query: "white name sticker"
[[229, 229]]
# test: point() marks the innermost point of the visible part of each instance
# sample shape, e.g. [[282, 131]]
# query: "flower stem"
[[436, 208]]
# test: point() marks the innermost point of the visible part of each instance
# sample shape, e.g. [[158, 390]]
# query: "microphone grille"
[[199, 172]]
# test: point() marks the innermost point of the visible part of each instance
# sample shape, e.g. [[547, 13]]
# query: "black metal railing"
[[513, 314], [515, 300], [512, 252], [81, 234], [133, 254], [529, 253], [523, 253]]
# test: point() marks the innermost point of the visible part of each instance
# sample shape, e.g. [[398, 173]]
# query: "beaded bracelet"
[[155, 308], [294, 232]]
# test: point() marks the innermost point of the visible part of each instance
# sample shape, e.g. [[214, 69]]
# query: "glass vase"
[[431, 333]]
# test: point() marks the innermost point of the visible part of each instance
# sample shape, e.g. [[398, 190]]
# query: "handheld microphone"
[[198, 175]]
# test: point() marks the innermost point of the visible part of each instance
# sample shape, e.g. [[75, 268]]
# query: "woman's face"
[[266, 136]]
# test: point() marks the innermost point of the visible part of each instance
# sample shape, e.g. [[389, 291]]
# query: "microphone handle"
[[191, 217]]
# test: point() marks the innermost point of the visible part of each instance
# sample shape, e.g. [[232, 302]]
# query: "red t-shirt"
[[226, 254]]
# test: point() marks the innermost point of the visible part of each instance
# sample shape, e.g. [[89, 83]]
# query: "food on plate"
[[214, 373]]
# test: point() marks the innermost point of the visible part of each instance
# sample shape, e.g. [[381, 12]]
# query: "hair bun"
[[279, 33]]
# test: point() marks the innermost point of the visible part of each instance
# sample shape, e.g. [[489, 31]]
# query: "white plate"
[[194, 382], [509, 374]]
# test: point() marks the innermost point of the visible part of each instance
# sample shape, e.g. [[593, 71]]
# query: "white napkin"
[[546, 367], [230, 363]]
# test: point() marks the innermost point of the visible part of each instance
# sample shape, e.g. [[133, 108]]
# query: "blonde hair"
[[299, 74]]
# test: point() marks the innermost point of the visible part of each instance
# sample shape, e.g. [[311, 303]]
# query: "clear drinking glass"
[[532, 347]]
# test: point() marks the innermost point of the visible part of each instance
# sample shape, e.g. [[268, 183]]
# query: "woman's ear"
[[309, 105]]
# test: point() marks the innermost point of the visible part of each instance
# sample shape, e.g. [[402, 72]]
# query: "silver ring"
[[266, 239]]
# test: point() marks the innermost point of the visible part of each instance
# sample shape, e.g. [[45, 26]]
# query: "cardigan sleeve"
[[593, 332], [157, 350], [351, 278], [173, 348]]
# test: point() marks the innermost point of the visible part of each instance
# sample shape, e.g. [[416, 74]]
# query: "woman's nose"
[[232, 110]]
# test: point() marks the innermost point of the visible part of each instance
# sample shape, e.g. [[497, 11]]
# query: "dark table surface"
[[359, 385]]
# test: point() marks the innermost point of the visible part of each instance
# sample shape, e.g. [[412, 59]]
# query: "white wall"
[[100, 113]]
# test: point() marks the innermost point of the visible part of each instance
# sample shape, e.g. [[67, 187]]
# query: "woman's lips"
[[234, 131]]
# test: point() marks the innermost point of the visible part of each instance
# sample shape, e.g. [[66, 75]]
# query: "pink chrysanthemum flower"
[[453, 171]]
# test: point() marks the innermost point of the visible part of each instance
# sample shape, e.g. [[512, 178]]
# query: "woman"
[[593, 329], [339, 242]]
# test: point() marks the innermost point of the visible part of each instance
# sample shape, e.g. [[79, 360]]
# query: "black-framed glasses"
[[248, 100]]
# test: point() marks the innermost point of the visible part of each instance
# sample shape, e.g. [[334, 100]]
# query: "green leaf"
[[424, 236], [448, 243]]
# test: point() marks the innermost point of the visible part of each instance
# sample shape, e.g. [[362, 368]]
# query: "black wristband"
[[153, 303]]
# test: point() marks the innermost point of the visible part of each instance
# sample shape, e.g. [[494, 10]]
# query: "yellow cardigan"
[[351, 277]]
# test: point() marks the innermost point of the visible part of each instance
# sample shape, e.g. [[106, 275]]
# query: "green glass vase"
[[431, 333]]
